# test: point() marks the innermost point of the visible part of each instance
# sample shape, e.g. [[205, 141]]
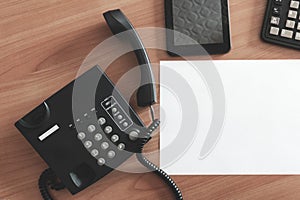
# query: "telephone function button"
[[101, 161], [101, 120], [81, 135], [88, 144], [114, 138], [114, 110], [121, 146], [108, 129]]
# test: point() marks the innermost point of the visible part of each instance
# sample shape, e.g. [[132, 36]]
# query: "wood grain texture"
[[42, 45]]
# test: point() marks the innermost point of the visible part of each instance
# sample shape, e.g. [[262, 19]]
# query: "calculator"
[[282, 23]]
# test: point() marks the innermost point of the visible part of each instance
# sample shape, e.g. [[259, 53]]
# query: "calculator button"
[[121, 146], [94, 152], [98, 137], [111, 154], [104, 145], [294, 4], [292, 14], [81, 135], [91, 128], [278, 2], [101, 161], [275, 20], [276, 11], [297, 36], [298, 26], [108, 129], [274, 31], [290, 24], [101, 120], [88, 144], [114, 138], [286, 33]]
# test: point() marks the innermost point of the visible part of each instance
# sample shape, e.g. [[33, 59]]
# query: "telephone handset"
[[84, 145]]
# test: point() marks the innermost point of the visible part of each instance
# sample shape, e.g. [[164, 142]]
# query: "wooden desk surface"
[[42, 45]]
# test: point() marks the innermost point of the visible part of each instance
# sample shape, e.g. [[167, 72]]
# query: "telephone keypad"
[[100, 139], [90, 133]]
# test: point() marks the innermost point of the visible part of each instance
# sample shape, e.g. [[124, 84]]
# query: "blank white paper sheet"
[[261, 129]]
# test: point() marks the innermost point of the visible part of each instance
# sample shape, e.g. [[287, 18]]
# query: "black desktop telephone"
[[84, 144]]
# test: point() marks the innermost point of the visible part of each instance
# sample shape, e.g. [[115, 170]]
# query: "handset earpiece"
[[118, 22]]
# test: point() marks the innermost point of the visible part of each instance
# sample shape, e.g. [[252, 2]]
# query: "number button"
[[81, 135], [88, 144], [290, 24], [121, 146], [104, 145], [91, 128], [94, 152], [98, 137]]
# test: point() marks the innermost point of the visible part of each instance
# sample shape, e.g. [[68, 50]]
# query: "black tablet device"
[[205, 21]]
